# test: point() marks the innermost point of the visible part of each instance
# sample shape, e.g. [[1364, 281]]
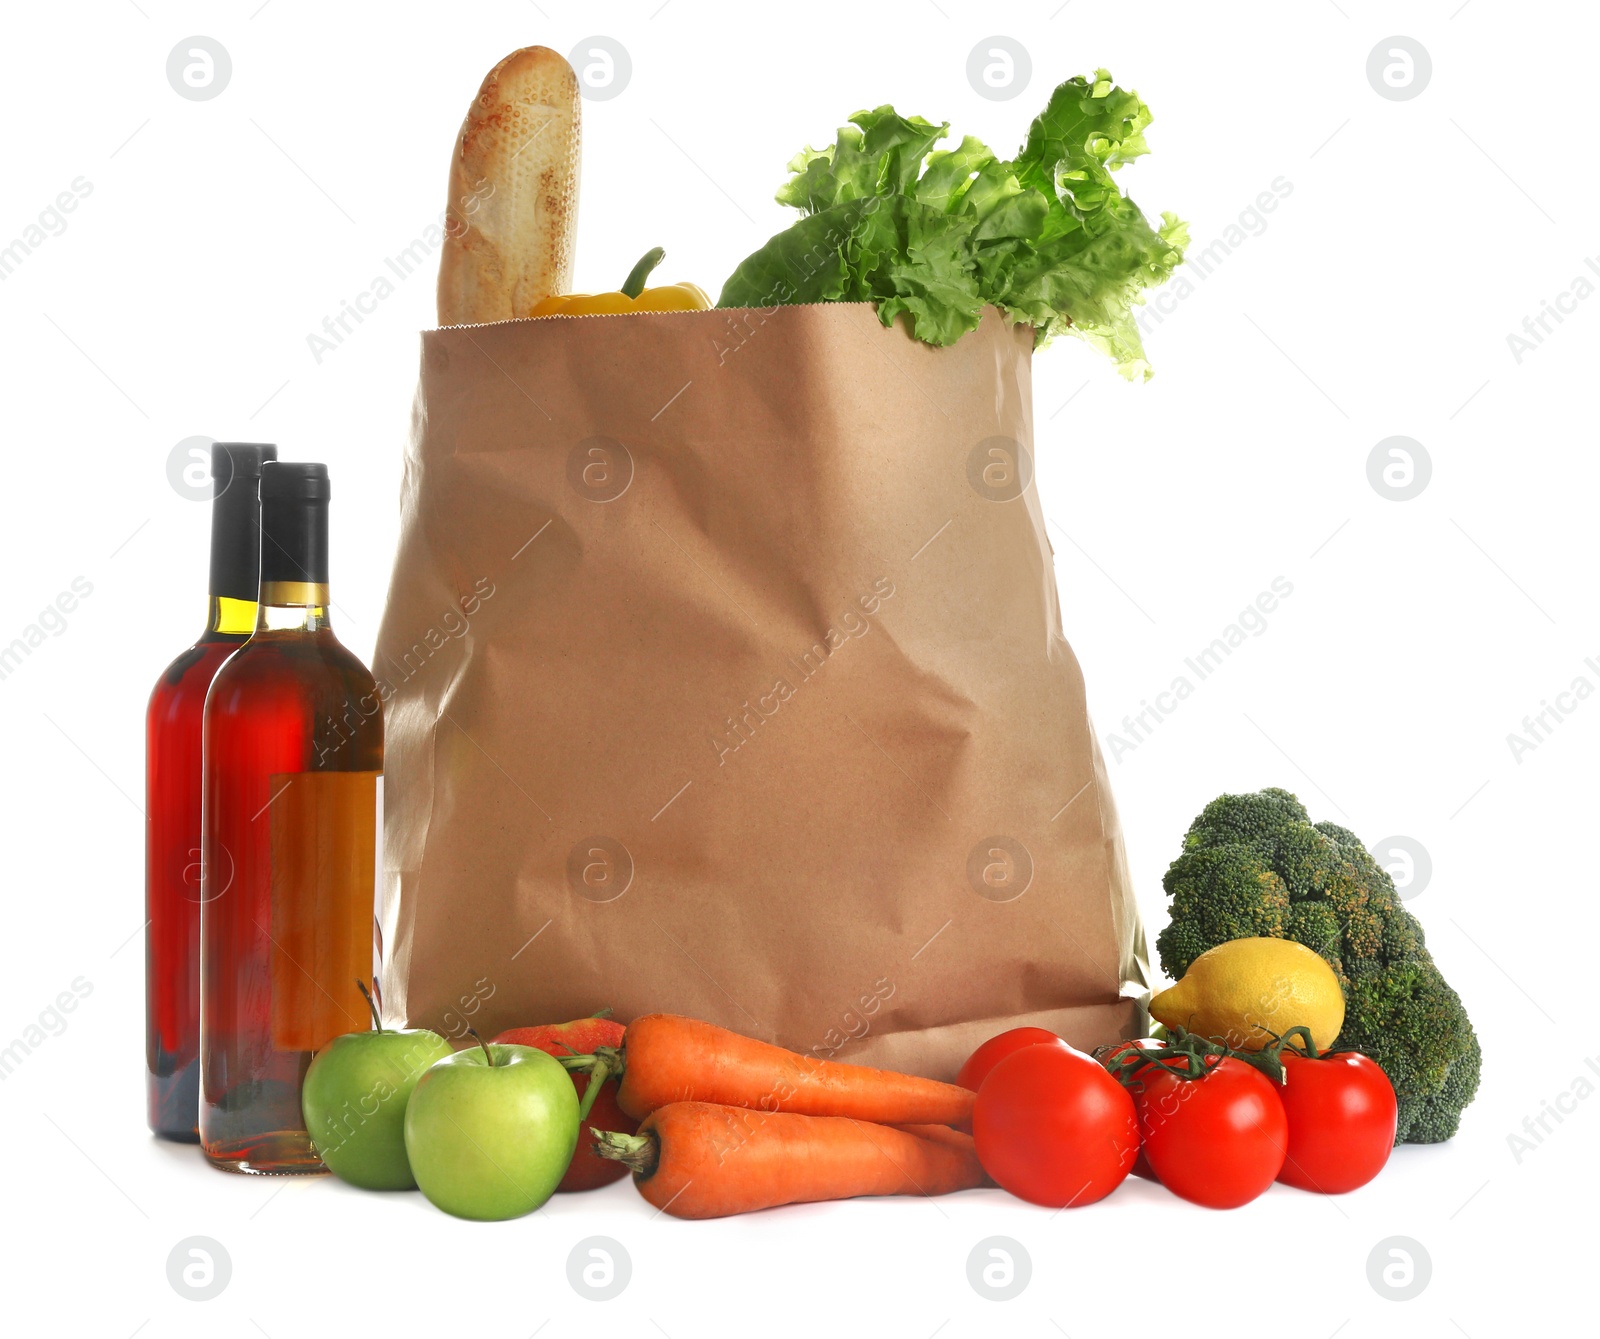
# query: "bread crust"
[[512, 215]]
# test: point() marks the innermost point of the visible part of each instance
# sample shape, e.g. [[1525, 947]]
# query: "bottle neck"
[[294, 565], [290, 610], [235, 558], [230, 617]]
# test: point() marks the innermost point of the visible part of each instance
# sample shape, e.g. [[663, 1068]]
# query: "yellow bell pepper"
[[633, 296]]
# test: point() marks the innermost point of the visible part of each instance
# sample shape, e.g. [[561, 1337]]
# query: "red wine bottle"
[[172, 794], [293, 791]]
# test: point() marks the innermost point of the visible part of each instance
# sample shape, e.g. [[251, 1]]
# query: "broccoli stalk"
[[1255, 865]]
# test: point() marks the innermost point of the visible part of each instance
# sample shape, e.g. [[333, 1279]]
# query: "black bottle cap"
[[236, 517], [294, 522], [294, 480], [242, 460]]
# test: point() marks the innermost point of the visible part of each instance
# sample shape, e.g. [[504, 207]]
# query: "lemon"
[[1241, 992]]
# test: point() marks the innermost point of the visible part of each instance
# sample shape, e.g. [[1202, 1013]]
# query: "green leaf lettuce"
[[935, 234]]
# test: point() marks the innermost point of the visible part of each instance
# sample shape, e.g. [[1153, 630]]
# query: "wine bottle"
[[172, 794], [291, 856]]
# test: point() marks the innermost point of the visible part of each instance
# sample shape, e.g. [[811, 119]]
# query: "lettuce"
[[935, 234]]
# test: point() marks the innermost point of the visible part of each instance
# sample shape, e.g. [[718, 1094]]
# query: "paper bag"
[[724, 676]]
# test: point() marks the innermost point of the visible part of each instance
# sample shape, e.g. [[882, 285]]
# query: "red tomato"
[[1052, 1127], [997, 1048], [1105, 1055], [1342, 1114], [1217, 1141]]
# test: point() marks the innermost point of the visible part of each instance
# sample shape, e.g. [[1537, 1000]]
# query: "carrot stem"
[[639, 1153]]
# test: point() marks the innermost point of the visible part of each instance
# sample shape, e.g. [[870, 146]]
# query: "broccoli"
[[1256, 865]]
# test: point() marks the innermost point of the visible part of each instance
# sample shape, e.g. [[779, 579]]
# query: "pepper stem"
[[377, 1023], [639, 1153], [597, 1076], [612, 1057], [488, 1055], [633, 285]]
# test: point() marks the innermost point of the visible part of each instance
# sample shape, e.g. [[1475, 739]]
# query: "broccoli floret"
[[1255, 865], [1437, 1117], [1407, 1018], [1244, 818], [1221, 893], [1315, 925], [1340, 836]]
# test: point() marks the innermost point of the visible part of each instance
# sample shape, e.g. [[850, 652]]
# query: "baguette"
[[512, 215]]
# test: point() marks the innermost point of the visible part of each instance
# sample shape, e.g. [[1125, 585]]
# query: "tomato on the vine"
[[1218, 1140], [1053, 1127], [997, 1048], [1106, 1055], [1342, 1115]]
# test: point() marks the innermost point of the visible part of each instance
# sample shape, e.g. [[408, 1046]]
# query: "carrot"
[[961, 1140], [666, 1058], [940, 1134], [703, 1160]]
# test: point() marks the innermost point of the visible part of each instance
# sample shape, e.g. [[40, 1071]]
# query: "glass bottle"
[[292, 824], [172, 794]]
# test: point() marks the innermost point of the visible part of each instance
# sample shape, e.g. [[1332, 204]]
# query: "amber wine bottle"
[[291, 856], [172, 794]]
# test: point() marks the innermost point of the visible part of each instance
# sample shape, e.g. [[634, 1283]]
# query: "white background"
[[1376, 301]]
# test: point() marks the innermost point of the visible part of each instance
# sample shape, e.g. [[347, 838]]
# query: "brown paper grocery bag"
[[725, 676]]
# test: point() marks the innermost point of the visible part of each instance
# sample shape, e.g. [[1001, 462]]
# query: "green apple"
[[354, 1101], [490, 1130]]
